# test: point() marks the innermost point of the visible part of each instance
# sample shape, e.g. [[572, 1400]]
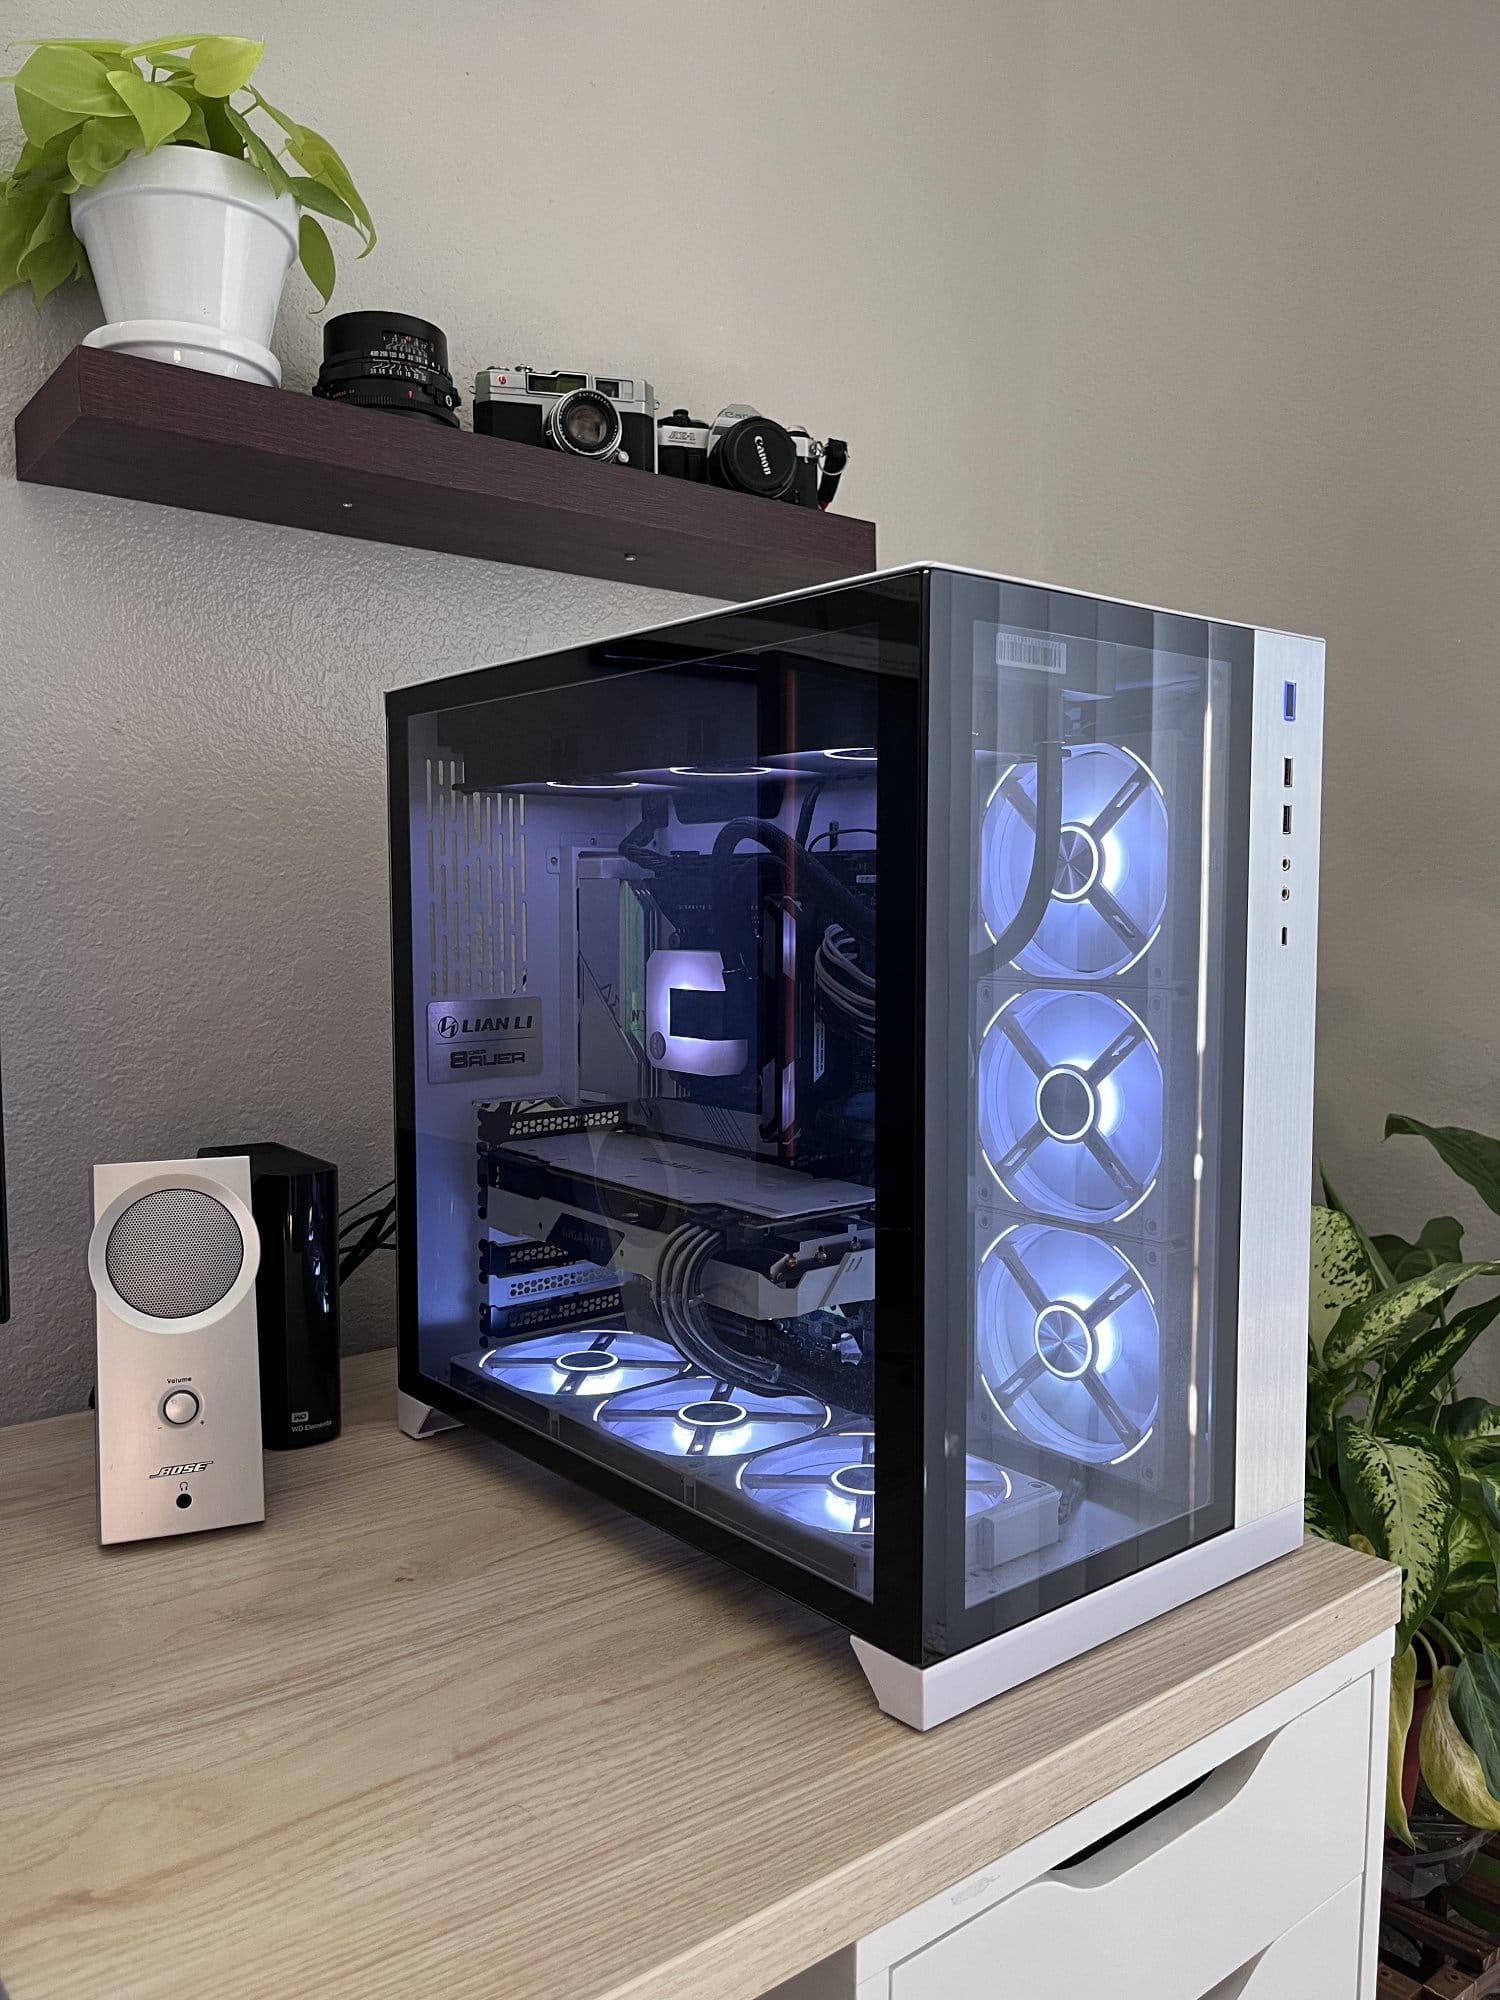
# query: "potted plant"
[[160, 168], [1399, 1463]]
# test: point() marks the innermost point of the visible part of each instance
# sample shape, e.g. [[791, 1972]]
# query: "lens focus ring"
[[586, 423]]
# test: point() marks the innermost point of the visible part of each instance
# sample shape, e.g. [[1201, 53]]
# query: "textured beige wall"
[[1269, 364], [1191, 300], [772, 203]]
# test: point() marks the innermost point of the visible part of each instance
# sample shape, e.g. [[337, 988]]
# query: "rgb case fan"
[[1070, 1105], [694, 1416], [580, 1364], [827, 1483], [1110, 891], [1069, 1346]]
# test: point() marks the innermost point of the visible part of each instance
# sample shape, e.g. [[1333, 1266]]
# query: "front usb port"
[[1286, 819], [1286, 773], [1289, 700]]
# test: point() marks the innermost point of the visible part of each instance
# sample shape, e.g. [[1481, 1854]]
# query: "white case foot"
[[922, 1697], [420, 1420]]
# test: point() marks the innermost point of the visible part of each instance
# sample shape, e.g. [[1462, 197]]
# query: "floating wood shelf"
[[143, 430]]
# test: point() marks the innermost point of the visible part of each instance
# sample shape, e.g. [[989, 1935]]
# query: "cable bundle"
[[364, 1230], [843, 982]]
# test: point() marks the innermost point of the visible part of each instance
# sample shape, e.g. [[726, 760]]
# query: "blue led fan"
[[694, 1416], [1070, 1105], [578, 1364], [1111, 884], [828, 1482], [1069, 1345]]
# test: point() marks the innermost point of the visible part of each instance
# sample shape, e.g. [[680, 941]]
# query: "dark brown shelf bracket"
[[142, 430]]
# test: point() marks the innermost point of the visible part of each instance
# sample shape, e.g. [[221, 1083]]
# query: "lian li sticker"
[[471, 1041]]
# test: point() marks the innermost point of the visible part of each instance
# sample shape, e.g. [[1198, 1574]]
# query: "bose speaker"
[[173, 1260]]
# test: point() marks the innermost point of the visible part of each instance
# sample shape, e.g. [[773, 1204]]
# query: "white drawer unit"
[[1167, 1909], [1317, 1960], [1244, 1868]]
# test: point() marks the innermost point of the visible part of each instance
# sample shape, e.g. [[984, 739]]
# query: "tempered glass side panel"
[[1084, 1209], [649, 1181]]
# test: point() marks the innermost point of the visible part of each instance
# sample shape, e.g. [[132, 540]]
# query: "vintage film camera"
[[604, 417], [749, 453]]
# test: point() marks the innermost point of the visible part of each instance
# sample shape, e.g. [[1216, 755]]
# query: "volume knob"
[[181, 1407]]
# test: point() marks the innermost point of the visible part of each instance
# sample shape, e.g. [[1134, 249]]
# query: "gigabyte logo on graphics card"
[[181, 1471], [451, 1025]]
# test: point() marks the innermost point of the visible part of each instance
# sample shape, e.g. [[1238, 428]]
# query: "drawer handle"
[[1106, 1860], [1232, 1987]]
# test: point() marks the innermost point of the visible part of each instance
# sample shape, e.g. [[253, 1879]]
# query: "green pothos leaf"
[[1416, 1373], [1398, 1728], [1342, 1274], [317, 255], [1377, 1323], [1402, 1491], [155, 107], [1451, 1769], [1323, 1511]]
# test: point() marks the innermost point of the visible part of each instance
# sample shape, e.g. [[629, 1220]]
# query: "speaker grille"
[[173, 1253]]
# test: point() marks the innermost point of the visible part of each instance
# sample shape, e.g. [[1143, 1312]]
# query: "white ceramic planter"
[[190, 250]]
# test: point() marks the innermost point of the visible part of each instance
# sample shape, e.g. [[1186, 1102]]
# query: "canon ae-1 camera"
[[750, 453], [606, 417]]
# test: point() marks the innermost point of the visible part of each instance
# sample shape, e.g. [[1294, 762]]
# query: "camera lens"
[[388, 361], [585, 423], [754, 455]]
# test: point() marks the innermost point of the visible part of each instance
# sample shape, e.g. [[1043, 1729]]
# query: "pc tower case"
[[876, 1016]]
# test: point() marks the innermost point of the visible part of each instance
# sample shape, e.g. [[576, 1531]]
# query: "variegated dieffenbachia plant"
[[1398, 1463]]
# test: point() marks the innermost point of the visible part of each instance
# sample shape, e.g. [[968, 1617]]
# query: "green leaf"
[[1402, 1491], [51, 253], [1375, 1324], [1398, 1728], [70, 79], [194, 128], [319, 159], [1468, 1549], [317, 255], [43, 122], [91, 44], [1416, 1374], [1325, 1395], [1475, 1700], [164, 45], [156, 107], [1472, 1425], [309, 193], [260, 153], [223, 64], [1323, 1510], [1342, 1274], [1331, 1197], [1440, 1242], [1450, 1769], [20, 212], [1470, 1155], [100, 145]]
